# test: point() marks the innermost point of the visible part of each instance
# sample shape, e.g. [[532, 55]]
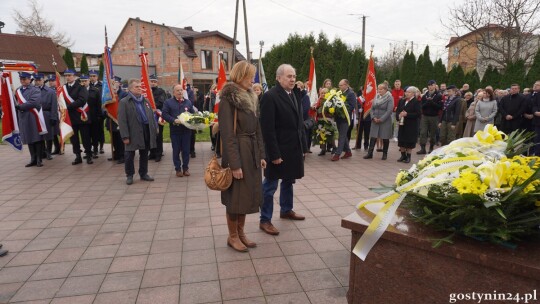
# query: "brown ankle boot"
[[233, 240], [241, 234]]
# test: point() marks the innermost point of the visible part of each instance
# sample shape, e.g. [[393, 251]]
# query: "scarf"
[[141, 117]]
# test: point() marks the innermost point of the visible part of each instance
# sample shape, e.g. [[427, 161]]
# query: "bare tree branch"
[[35, 24]]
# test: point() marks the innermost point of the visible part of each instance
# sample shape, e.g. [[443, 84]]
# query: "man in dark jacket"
[[75, 97], [535, 100], [98, 128], [95, 113], [138, 130], [159, 98], [283, 132], [180, 135], [450, 116], [342, 123], [432, 104], [116, 139], [512, 107], [49, 106]]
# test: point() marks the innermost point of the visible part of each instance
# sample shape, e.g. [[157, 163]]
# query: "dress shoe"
[[309, 151], [110, 159], [322, 153], [193, 154], [89, 159], [186, 173], [55, 152], [95, 155], [179, 174], [101, 151], [129, 180], [292, 216], [379, 150], [39, 164], [120, 161], [3, 252], [158, 159], [384, 156], [78, 160], [268, 228], [335, 157], [147, 178], [31, 164], [152, 156], [347, 155]]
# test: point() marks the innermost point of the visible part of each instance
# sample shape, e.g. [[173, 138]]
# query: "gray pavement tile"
[[163, 294], [162, 277], [37, 290], [280, 283], [117, 297], [122, 281], [202, 292], [74, 286], [328, 296]]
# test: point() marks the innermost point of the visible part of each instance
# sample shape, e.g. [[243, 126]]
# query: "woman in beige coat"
[[243, 152], [470, 115]]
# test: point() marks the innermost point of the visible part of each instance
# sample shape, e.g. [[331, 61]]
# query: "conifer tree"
[[84, 65], [68, 58], [439, 72], [534, 72]]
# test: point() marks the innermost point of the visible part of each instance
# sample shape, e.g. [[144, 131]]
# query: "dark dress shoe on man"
[[39, 164], [158, 159], [152, 156], [193, 154], [292, 216], [31, 164], [3, 252], [129, 180], [78, 160], [322, 153], [269, 228], [147, 178], [101, 151]]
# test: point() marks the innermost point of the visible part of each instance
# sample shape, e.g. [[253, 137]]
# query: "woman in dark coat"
[[408, 113], [243, 152]]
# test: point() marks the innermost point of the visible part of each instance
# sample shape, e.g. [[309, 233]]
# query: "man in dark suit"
[[282, 127], [97, 126], [138, 130], [49, 106], [342, 123], [116, 139], [159, 98], [512, 108], [75, 97], [95, 113]]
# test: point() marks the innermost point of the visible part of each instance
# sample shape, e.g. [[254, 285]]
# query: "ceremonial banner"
[[222, 79], [370, 87], [183, 81], [145, 81], [109, 98], [312, 87], [262, 76], [66, 130], [10, 125]]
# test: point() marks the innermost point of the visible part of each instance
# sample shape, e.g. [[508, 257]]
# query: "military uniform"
[[31, 123], [76, 102], [98, 132], [49, 105]]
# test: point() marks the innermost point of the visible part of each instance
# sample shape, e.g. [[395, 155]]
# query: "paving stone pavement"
[[79, 234]]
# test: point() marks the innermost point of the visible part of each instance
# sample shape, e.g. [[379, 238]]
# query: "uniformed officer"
[[31, 123], [76, 96], [116, 139], [49, 105], [95, 113], [159, 97], [51, 82]]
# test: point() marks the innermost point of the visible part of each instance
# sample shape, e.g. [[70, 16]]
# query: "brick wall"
[[164, 50]]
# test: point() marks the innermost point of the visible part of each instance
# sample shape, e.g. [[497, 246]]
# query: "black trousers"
[[118, 146], [158, 150], [84, 131], [192, 144], [364, 127], [97, 133], [129, 156]]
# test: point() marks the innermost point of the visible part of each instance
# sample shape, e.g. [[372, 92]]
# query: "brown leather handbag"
[[215, 176]]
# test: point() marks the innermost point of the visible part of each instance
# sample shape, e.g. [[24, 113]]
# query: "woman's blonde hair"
[[257, 85], [241, 70]]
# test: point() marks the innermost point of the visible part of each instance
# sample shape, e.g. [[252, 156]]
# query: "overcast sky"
[[268, 20]]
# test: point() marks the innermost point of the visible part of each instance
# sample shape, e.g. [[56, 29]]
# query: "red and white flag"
[[370, 87], [312, 86], [145, 81], [38, 114], [222, 79], [66, 130], [183, 81], [10, 125]]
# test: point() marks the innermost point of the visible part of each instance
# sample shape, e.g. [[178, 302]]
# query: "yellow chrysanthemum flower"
[[331, 110]]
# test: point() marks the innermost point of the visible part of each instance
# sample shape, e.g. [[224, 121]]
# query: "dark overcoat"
[[244, 150], [131, 128], [79, 95], [283, 132], [408, 132], [49, 104], [28, 126]]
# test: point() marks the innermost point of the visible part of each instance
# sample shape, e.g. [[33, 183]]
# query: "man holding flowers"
[[344, 122], [180, 135]]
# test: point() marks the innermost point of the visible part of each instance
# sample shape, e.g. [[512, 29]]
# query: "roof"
[[31, 48], [489, 26], [186, 35]]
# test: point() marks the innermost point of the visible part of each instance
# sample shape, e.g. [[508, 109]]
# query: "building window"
[[456, 51], [206, 60], [225, 57]]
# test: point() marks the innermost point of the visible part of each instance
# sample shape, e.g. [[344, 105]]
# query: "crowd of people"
[[268, 132]]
